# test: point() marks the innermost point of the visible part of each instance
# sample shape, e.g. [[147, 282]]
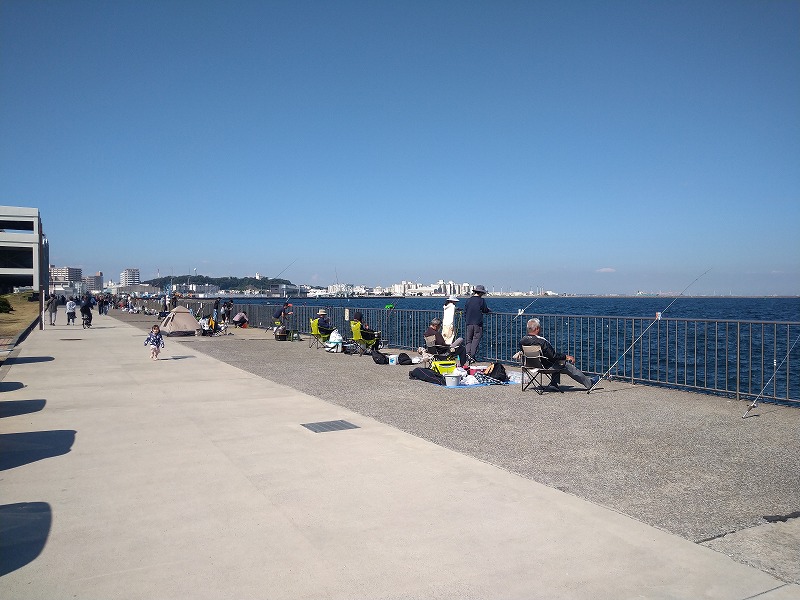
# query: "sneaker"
[[593, 381]]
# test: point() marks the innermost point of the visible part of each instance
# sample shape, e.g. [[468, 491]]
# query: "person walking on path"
[[448, 320], [71, 306], [52, 309], [156, 341], [473, 315]]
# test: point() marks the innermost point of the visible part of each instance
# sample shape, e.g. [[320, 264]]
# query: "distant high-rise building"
[[129, 277], [65, 275], [94, 282]]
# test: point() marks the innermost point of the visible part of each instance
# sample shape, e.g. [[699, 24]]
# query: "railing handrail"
[[720, 356]]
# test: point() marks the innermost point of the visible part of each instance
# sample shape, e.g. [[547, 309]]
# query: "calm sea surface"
[[737, 309]]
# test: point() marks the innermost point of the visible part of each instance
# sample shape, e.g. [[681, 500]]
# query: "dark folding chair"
[[534, 371]]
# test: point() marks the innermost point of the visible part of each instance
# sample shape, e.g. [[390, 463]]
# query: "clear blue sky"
[[580, 146]]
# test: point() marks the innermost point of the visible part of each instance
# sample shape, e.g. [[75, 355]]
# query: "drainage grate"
[[71, 339], [324, 426]]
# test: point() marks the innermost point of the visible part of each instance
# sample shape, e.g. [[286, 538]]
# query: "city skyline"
[[583, 147]]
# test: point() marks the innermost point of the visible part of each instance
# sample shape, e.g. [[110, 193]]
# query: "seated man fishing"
[[324, 325], [457, 347], [554, 360]]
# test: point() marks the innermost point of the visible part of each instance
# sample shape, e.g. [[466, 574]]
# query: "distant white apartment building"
[[129, 277], [65, 275]]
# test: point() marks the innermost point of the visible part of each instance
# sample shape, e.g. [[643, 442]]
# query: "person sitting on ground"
[[457, 347], [554, 360], [240, 320], [323, 324]]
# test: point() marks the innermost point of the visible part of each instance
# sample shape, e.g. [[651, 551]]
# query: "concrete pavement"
[[188, 477]]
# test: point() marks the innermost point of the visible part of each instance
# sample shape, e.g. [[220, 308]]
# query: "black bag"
[[404, 359], [350, 348], [428, 375], [496, 371], [380, 359]]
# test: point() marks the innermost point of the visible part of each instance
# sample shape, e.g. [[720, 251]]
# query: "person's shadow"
[[24, 528]]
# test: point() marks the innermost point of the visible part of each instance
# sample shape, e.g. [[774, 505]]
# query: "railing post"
[[738, 342]]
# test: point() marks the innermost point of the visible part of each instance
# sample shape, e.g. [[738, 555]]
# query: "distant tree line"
[[224, 283]]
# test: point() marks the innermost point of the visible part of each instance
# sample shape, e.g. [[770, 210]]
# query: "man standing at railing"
[[473, 316], [555, 360]]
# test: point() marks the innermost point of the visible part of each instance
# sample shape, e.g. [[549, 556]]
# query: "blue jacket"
[[475, 309]]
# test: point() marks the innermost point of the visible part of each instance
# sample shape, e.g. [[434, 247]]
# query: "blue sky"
[[581, 146]]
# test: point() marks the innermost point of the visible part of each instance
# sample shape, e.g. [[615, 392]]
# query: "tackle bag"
[[428, 375], [404, 359], [496, 371], [379, 358]]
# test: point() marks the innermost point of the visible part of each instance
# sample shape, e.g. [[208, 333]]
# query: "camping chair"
[[442, 359], [534, 371], [365, 341], [317, 337], [438, 351]]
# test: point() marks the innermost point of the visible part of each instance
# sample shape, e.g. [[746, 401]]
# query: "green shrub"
[[5, 306]]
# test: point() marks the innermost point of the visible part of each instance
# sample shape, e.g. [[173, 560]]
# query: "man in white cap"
[[473, 316], [448, 330]]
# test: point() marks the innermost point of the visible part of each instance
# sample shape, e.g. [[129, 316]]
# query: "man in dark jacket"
[[555, 360], [473, 316], [435, 330]]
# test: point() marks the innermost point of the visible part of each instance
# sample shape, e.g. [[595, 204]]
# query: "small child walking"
[[155, 341]]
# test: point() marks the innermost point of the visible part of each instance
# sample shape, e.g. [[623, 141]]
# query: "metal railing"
[[731, 358]]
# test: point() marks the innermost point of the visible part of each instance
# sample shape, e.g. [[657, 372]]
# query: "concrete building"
[[24, 250], [94, 283], [129, 277]]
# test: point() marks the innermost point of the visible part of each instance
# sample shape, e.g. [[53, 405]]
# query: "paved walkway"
[[190, 478]]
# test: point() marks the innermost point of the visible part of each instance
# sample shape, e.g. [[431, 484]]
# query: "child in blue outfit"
[[155, 341]]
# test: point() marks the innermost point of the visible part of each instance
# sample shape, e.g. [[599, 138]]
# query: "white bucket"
[[393, 359], [452, 380]]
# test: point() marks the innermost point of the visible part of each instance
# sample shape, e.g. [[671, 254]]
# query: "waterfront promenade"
[[193, 477]]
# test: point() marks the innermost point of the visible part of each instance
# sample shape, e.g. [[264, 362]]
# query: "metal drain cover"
[[324, 426]]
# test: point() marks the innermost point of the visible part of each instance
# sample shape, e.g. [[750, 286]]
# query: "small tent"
[[180, 321]]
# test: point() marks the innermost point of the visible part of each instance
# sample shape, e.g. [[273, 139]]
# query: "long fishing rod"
[[755, 402], [285, 268], [658, 318], [521, 311]]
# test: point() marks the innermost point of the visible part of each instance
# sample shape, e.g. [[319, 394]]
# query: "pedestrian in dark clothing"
[[473, 316]]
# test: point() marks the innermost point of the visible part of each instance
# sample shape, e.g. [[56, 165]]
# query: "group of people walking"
[[72, 304]]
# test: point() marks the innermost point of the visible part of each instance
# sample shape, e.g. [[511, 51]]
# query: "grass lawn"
[[15, 322]]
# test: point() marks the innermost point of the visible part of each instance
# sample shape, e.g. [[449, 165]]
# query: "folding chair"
[[317, 337], [438, 351], [366, 340], [534, 371]]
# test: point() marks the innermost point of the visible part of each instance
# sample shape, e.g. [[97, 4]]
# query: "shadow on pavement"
[[12, 408], [24, 528], [21, 360], [18, 449], [11, 386]]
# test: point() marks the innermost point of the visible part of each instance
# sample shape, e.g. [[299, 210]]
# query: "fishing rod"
[[657, 319], [522, 310], [755, 402]]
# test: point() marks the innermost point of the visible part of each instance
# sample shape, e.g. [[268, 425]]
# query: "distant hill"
[[224, 283]]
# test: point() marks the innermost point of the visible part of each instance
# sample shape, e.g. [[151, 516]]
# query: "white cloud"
[[606, 270]]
